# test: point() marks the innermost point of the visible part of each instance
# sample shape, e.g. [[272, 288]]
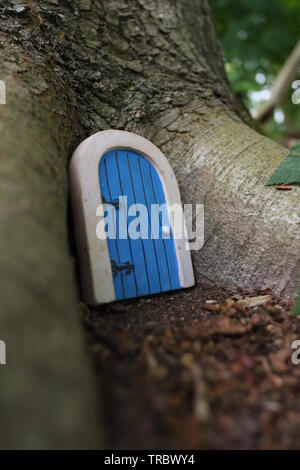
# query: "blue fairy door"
[[144, 264]]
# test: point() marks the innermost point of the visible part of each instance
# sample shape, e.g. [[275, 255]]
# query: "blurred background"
[[259, 40]]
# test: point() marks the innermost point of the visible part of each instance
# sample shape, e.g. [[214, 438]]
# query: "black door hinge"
[[115, 202], [127, 267]]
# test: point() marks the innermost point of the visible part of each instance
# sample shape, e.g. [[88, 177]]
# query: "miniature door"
[[123, 183]]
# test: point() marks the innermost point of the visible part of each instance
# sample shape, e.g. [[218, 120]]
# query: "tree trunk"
[[73, 68], [47, 392]]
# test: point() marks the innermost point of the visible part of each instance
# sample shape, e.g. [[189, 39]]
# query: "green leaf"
[[288, 171], [296, 310]]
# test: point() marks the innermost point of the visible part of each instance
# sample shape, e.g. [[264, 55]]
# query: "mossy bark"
[[47, 392], [76, 67]]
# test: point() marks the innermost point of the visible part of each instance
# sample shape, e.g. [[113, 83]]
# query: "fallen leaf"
[[241, 308], [255, 301], [223, 325], [280, 359], [284, 187], [211, 308]]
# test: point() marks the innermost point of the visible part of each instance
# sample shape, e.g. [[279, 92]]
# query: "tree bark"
[[47, 393], [73, 68]]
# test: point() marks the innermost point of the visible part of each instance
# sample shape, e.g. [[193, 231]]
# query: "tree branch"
[[281, 84]]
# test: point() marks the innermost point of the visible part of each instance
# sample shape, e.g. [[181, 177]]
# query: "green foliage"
[[288, 171], [256, 37], [297, 306]]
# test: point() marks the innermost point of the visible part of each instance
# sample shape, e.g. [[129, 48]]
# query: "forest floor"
[[198, 369]]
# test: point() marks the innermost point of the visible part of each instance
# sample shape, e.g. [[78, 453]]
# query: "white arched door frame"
[[95, 265]]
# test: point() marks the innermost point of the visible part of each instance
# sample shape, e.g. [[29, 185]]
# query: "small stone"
[[271, 406], [85, 5], [20, 9], [202, 410], [26, 34], [187, 359]]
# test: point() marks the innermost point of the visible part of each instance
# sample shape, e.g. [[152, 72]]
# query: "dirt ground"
[[198, 369]]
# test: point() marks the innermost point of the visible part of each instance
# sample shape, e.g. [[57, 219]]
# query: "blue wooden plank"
[[128, 278], [104, 178], [168, 242], [149, 249], [159, 247], [125, 172], [136, 246]]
